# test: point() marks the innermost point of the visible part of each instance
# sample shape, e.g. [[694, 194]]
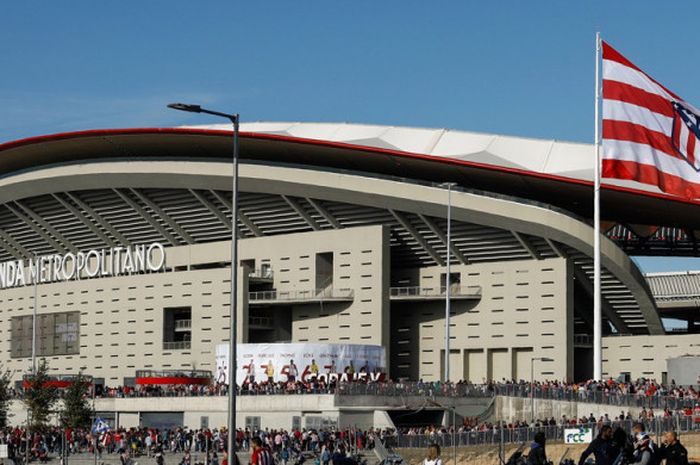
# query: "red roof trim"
[[340, 145]]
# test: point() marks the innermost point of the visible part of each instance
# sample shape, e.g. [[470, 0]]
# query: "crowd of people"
[[471, 425], [641, 388], [611, 391], [610, 447], [183, 443], [185, 446], [324, 444]]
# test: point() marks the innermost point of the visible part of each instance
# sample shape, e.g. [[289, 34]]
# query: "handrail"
[[419, 291], [310, 294], [173, 374], [183, 324], [177, 345], [261, 273], [500, 433], [525, 390]]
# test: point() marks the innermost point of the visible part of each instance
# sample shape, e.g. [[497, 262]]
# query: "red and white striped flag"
[[650, 134]]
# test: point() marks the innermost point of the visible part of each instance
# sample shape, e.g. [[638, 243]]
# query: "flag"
[[650, 134], [100, 426]]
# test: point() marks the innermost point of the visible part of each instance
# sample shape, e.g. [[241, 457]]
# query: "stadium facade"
[[122, 236]]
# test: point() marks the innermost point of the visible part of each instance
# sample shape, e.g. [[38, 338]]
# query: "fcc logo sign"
[[578, 435]]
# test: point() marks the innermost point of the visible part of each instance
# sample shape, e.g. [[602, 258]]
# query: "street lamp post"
[[34, 318], [34, 311], [448, 253], [233, 314], [532, 383], [454, 431]]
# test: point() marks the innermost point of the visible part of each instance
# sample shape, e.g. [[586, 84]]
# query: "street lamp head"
[[185, 107]]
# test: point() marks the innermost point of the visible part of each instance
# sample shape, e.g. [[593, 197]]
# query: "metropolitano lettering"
[[116, 261]]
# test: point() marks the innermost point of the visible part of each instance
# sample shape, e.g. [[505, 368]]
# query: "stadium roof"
[[677, 294], [58, 195], [640, 219], [533, 167]]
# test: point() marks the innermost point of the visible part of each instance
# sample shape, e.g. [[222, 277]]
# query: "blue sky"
[[510, 67]]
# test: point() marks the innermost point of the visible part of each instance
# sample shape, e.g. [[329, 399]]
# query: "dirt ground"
[[488, 455]]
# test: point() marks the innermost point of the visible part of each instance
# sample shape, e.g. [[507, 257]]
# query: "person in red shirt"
[[261, 455]]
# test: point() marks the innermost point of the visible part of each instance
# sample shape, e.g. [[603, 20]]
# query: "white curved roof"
[[551, 157]]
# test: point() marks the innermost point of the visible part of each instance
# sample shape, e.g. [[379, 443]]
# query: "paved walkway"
[[113, 459], [170, 459]]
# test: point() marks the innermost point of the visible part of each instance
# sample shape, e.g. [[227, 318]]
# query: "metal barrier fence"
[[413, 389], [517, 390], [327, 293], [655, 427], [597, 397]]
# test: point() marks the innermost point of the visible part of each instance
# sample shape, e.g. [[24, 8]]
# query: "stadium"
[[123, 238]]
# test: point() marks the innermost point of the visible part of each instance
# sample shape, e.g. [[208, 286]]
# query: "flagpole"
[[597, 314]]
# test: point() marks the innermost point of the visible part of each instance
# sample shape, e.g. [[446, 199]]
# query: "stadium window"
[[59, 334], [177, 328], [324, 270]]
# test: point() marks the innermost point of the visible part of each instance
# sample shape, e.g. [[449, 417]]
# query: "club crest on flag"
[[685, 134], [100, 426]]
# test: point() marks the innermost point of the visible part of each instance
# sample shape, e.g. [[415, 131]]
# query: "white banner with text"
[[302, 362]]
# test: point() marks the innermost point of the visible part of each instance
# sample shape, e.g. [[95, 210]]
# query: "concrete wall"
[[360, 263], [646, 356], [525, 311], [272, 411], [122, 318], [685, 371], [279, 411]]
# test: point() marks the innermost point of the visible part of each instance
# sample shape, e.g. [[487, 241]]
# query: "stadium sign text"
[[578, 435], [116, 261]]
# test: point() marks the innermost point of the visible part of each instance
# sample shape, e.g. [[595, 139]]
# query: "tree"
[[5, 379], [76, 410], [40, 397]]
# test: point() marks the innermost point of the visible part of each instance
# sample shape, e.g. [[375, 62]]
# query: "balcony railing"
[[183, 324], [173, 374], [177, 345], [261, 273], [329, 293], [418, 292]]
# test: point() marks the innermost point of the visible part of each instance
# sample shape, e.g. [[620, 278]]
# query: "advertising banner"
[[302, 362], [578, 435]]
